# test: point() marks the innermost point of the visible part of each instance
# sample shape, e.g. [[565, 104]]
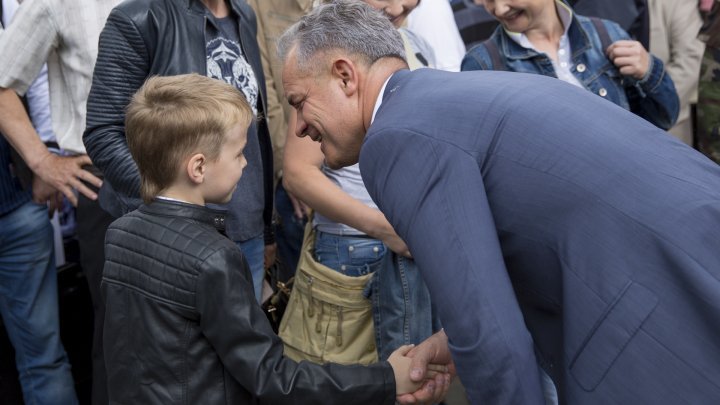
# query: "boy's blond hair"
[[171, 118]]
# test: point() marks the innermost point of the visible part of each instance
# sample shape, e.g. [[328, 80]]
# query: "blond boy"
[[182, 324]]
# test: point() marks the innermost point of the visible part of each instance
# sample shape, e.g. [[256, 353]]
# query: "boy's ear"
[[196, 168]]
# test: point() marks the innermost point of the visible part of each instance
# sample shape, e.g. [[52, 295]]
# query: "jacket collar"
[[168, 208], [197, 7], [394, 82]]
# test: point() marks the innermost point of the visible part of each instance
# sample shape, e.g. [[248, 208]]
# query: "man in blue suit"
[[559, 234]]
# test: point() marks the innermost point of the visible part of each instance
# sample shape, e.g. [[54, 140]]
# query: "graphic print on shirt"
[[225, 62]]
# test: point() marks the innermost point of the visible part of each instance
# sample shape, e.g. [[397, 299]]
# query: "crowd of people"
[[536, 214]]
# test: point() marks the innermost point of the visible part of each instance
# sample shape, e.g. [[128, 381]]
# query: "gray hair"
[[348, 25]]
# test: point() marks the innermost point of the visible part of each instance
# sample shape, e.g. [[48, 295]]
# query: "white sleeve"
[[433, 20]]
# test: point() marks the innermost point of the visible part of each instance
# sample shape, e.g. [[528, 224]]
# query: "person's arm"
[[433, 20], [275, 122], [61, 173], [650, 90], [32, 27], [449, 227], [686, 50], [304, 179], [476, 59], [121, 68], [252, 353], [275, 114]]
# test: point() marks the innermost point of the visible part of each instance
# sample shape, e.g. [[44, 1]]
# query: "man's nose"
[[300, 127]]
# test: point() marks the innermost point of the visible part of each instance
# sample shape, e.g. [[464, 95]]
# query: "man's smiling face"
[[324, 112]]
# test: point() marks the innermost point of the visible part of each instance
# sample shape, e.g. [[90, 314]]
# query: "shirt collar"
[[378, 102], [564, 12]]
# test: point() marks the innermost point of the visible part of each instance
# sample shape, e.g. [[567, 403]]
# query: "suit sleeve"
[[121, 68], [434, 196], [252, 353]]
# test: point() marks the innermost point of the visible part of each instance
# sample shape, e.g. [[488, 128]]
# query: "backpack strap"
[[498, 63], [602, 32]]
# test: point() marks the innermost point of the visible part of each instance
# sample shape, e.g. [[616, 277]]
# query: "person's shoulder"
[[135, 9], [613, 29], [478, 51], [246, 11], [131, 226], [479, 56], [219, 259], [420, 46]]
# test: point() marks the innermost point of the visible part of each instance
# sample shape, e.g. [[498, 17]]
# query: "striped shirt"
[[65, 34]]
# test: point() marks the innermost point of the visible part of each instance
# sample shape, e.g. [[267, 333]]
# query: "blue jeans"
[[402, 313], [290, 231], [29, 306], [254, 252]]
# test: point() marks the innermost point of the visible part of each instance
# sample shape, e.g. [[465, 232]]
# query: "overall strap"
[[602, 31], [498, 63]]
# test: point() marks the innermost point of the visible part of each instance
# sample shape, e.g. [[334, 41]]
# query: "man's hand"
[[43, 193], [630, 57], [432, 390], [386, 233], [300, 209], [433, 350], [395, 243], [65, 173], [62, 173]]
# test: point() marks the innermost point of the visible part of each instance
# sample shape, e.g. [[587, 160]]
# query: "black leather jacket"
[[182, 325], [143, 38]]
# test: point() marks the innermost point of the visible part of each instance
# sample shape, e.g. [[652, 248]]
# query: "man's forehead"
[[290, 78], [290, 66]]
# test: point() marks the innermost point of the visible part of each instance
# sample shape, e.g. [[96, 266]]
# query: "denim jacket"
[[653, 97]]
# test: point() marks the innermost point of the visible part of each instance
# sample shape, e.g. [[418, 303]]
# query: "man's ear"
[[345, 71], [196, 168]]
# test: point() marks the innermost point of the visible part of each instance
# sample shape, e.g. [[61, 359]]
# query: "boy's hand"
[[630, 58], [433, 350], [434, 387], [401, 368]]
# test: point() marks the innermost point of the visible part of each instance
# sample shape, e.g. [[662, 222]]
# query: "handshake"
[[423, 373]]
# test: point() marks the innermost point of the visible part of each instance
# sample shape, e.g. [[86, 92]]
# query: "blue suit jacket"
[[553, 227]]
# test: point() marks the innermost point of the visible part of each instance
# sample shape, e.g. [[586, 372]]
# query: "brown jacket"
[[674, 26], [273, 18]]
